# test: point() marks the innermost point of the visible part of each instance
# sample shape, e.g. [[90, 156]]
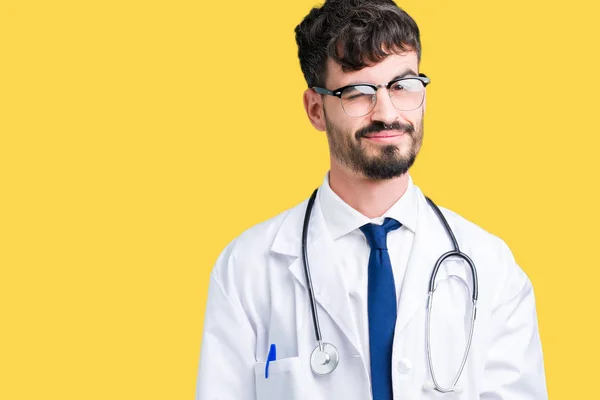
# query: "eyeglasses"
[[406, 93]]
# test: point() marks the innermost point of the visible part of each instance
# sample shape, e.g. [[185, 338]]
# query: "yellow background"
[[137, 138]]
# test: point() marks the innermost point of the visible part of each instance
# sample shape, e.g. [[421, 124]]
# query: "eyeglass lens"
[[406, 95]]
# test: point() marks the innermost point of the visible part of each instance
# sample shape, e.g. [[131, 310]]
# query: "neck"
[[372, 198]]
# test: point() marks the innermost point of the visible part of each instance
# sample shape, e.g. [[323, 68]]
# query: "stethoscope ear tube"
[[463, 256], [433, 384], [455, 253]]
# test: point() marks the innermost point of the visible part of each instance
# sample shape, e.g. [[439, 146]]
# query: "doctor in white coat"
[[361, 62]]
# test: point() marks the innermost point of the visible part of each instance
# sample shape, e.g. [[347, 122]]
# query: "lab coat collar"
[[327, 279], [341, 218]]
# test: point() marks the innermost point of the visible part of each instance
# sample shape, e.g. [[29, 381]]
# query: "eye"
[[357, 92], [355, 96], [397, 86], [407, 85]]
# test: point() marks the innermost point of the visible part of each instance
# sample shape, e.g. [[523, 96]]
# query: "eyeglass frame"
[[338, 92]]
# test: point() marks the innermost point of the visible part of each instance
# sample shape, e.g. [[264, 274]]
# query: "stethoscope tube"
[[452, 253], [311, 294], [325, 357]]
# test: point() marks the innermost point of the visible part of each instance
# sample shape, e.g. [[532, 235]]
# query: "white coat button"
[[404, 366]]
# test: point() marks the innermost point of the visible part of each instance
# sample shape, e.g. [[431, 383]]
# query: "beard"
[[389, 161]]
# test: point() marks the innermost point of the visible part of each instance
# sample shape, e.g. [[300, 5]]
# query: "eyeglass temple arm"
[[321, 90], [426, 81]]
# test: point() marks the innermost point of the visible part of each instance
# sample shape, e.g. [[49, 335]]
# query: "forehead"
[[382, 72]]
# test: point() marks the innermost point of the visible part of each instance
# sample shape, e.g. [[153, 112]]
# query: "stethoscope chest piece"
[[324, 359]]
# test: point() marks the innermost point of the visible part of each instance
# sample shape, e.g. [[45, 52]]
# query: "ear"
[[313, 105]]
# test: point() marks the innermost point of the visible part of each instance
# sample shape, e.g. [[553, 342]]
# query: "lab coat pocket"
[[285, 381]]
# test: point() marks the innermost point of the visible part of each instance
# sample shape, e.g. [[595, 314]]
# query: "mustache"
[[379, 126]]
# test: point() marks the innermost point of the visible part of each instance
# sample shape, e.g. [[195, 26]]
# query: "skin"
[[369, 174]]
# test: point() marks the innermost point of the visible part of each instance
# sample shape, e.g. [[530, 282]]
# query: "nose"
[[384, 110]]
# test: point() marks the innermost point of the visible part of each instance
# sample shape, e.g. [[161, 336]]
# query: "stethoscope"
[[325, 357]]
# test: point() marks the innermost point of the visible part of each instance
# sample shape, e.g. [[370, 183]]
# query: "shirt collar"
[[342, 219]]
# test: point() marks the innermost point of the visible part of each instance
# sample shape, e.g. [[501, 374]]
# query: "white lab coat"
[[257, 297]]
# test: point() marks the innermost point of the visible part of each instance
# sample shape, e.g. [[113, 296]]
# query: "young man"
[[372, 242]]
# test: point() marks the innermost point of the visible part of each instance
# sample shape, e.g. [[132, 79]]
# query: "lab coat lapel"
[[326, 276], [429, 243]]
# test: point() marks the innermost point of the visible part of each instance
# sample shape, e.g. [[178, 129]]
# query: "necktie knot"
[[377, 234]]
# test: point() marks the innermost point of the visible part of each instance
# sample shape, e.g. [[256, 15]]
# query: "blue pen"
[[271, 357]]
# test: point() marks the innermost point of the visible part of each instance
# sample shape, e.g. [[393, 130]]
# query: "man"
[[371, 245]]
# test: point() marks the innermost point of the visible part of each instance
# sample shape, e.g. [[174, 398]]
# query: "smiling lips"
[[385, 136]]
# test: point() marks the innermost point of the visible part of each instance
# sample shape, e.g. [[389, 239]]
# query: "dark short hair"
[[354, 34]]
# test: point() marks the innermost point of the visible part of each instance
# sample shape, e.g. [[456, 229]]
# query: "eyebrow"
[[400, 75], [405, 73]]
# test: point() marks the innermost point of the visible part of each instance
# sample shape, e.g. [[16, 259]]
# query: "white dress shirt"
[[352, 249]]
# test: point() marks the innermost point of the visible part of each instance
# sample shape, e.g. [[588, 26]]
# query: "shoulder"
[[494, 259], [468, 234], [471, 233], [466, 231], [253, 245]]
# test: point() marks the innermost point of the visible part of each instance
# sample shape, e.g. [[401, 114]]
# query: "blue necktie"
[[382, 308]]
